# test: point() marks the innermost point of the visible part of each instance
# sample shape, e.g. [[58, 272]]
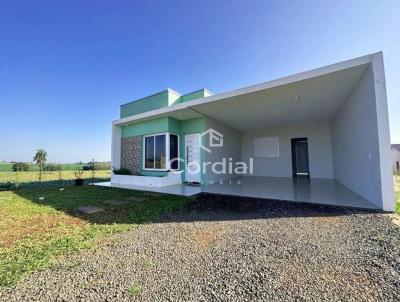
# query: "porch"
[[314, 190]]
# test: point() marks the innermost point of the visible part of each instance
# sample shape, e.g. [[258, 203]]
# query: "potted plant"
[[79, 177]]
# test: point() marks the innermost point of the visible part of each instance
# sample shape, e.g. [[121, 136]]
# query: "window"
[[173, 151], [397, 165], [266, 147], [149, 152], [160, 152], [156, 154]]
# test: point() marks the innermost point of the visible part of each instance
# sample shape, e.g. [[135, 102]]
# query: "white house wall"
[[116, 147], [319, 149], [230, 149], [355, 140]]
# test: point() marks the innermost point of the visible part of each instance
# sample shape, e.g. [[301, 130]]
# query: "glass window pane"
[[160, 156], [173, 151], [149, 152]]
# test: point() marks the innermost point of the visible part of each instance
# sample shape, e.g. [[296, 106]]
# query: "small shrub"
[[102, 166], [5, 186], [52, 167], [135, 290], [79, 174], [121, 171], [20, 166]]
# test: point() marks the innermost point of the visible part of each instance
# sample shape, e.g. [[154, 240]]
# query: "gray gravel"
[[222, 252]]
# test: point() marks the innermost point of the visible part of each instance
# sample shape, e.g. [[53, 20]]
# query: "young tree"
[[40, 159]]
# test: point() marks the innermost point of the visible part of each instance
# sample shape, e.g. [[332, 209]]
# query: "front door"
[[300, 157], [192, 158]]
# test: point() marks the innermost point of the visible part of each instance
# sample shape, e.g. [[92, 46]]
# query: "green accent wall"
[[194, 95], [147, 127], [159, 100], [153, 173], [149, 103], [166, 124]]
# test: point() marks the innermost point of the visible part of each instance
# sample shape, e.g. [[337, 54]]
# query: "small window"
[[160, 154], [149, 152], [397, 165], [173, 151], [266, 147], [155, 151]]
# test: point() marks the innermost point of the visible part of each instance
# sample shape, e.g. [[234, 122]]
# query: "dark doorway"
[[300, 162]]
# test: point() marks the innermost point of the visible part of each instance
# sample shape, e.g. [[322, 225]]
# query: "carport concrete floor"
[[300, 189]]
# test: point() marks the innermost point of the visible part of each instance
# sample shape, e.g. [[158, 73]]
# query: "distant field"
[[66, 167], [30, 177]]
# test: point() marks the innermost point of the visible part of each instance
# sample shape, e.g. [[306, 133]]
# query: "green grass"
[[148, 264], [135, 290], [23, 177], [7, 167], [12, 180], [34, 232]]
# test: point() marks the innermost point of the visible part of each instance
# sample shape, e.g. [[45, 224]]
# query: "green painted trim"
[[162, 125], [198, 94], [147, 127], [153, 173], [152, 102], [158, 100]]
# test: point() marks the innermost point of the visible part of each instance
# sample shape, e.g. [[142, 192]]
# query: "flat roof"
[[188, 109]]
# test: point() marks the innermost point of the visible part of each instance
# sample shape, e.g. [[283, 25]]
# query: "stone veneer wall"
[[131, 154]]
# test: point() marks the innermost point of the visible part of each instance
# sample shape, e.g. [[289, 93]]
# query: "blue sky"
[[66, 66]]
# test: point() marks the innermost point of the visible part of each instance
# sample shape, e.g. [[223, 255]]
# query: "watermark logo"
[[215, 139], [223, 166]]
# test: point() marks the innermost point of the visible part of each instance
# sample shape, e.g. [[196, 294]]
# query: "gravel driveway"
[[228, 249]]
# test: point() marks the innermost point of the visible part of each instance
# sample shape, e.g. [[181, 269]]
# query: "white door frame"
[[192, 158]]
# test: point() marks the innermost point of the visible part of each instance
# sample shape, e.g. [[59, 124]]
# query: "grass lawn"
[[7, 167], [33, 232], [23, 177], [12, 180]]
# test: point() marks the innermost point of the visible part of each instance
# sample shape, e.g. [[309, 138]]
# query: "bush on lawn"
[[20, 166], [121, 171], [97, 166], [102, 166], [52, 167]]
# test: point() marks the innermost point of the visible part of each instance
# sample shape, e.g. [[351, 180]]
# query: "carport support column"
[[116, 147], [383, 133]]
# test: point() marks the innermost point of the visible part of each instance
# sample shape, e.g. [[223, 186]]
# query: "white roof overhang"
[[308, 96]]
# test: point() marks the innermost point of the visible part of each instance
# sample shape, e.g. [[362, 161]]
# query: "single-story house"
[[396, 157], [319, 136]]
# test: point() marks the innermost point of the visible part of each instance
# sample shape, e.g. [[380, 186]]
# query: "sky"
[[67, 66]]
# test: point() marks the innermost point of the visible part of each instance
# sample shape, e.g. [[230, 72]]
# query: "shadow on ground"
[[143, 207]]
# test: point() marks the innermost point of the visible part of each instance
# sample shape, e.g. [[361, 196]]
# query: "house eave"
[[165, 111]]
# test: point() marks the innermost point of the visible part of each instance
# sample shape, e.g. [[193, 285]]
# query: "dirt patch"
[[35, 225], [205, 237]]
